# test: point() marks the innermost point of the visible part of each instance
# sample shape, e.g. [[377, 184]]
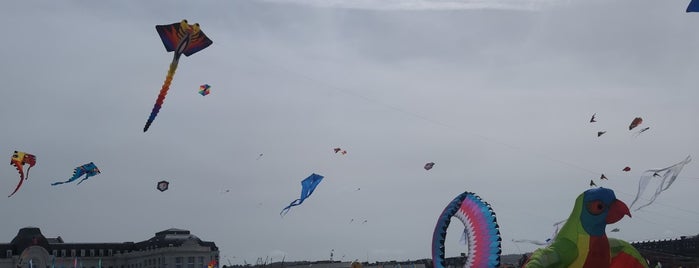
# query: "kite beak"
[[617, 211]]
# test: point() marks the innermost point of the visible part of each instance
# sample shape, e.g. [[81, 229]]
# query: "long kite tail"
[[17, 188], [161, 96], [18, 165]]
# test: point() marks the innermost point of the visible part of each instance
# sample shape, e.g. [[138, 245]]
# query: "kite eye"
[[596, 207], [185, 21]]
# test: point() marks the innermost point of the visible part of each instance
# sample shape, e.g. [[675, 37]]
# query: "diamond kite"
[[19, 159], [182, 38], [307, 186], [88, 170], [163, 186]]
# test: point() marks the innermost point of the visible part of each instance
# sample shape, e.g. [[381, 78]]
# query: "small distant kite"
[[641, 131], [88, 170], [603, 177], [163, 186], [592, 120], [600, 133], [307, 186], [592, 183], [337, 149], [615, 230], [19, 159], [204, 89], [182, 38], [364, 221], [666, 175], [429, 165], [259, 156], [358, 189], [344, 152], [636, 121], [693, 6], [627, 169]]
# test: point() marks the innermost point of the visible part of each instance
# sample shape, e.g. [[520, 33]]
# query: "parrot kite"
[[582, 241]]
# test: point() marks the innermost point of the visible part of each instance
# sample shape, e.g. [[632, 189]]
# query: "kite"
[[163, 186], [307, 186], [358, 189], [592, 183], [627, 169], [344, 152], [337, 149], [600, 133], [603, 177], [19, 159], [615, 230], [693, 6], [636, 121], [641, 131], [204, 89], [364, 221], [481, 227], [429, 165], [182, 38], [212, 264], [592, 120], [88, 170], [582, 241], [259, 156], [667, 176]]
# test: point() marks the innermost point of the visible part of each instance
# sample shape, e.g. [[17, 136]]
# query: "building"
[[679, 252], [171, 248]]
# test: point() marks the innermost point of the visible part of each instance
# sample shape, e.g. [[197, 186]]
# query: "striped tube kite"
[[307, 186], [481, 230], [182, 38], [19, 159], [89, 170]]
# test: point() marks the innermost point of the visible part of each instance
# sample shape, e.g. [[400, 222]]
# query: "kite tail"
[[57, 183], [287, 208], [16, 188], [27, 176], [161, 96]]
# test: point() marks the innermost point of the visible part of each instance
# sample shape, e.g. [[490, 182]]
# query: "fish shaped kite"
[[182, 38], [19, 159], [693, 6], [666, 175], [627, 169], [636, 121], [307, 186], [429, 166], [88, 170], [204, 89]]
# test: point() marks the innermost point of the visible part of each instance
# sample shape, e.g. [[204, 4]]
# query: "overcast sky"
[[497, 93]]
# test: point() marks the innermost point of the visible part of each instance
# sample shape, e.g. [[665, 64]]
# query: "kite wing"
[[693, 6], [179, 34], [481, 228], [307, 186], [667, 176], [19, 159]]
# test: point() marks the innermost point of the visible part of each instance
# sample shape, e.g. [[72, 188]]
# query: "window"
[[72, 253], [63, 252], [55, 253], [190, 262], [92, 253], [109, 252], [101, 252], [82, 253], [9, 253], [178, 262]]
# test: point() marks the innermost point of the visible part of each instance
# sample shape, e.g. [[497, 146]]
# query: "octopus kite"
[[182, 38], [88, 170], [19, 159]]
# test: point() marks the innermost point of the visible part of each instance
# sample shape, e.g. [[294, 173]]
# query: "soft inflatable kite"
[[307, 186], [635, 122], [88, 170], [481, 228], [693, 6], [182, 38], [204, 89], [666, 176], [582, 241], [19, 159]]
